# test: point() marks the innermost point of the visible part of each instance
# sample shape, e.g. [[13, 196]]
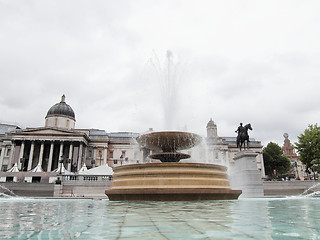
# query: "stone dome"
[[211, 123], [61, 109]]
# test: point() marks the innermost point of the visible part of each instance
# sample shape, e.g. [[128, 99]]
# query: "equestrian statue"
[[243, 136]]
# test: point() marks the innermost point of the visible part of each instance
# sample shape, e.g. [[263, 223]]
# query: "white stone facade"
[[59, 142]]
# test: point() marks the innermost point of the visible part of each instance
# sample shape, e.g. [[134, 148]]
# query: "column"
[[31, 156], [41, 153], [80, 157], [105, 155], [2, 156], [61, 151], [50, 157], [21, 155], [60, 156], [13, 146], [70, 156], [94, 156], [84, 153]]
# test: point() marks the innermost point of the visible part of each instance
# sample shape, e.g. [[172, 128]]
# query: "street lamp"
[[22, 163], [297, 171], [61, 162], [100, 157]]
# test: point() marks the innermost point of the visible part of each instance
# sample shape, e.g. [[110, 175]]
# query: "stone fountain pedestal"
[[246, 176], [170, 180]]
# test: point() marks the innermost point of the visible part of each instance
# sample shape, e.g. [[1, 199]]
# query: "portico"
[[32, 148]]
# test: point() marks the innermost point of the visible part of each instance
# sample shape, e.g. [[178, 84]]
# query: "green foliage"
[[315, 165], [274, 160], [308, 147]]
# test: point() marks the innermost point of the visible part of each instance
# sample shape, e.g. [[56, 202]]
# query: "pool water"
[[285, 218]]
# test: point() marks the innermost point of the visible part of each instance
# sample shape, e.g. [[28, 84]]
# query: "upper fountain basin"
[[169, 141]]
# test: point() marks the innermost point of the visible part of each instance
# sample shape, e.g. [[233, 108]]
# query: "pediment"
[[52, 131], [46, 131]]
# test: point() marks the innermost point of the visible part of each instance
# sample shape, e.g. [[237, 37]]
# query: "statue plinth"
[[246, 176]]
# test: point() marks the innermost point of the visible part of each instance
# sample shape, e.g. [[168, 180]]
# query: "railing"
[[114, 162], [86, 179]]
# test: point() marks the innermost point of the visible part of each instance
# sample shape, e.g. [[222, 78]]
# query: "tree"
[[275, 160], [308, 147], [315, 165]]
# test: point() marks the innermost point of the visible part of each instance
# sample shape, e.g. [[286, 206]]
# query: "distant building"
[[6, 146], [58, 142], [59, 147], [297, 168]]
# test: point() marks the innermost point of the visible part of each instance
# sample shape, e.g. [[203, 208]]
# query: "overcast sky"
[[233, 61]]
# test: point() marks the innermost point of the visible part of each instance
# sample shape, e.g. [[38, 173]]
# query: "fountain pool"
[[265, 218]]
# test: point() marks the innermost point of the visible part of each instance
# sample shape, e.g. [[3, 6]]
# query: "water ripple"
[[90, 219]]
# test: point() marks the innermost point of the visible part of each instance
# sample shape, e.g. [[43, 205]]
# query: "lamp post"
[[68, 162], [297, 171], [100, 157], [93, 163], [22, 160], [61, 162], [121, 159]]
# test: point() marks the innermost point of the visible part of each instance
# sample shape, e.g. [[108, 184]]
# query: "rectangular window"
[[100, 154], [123, 154], [9, 179], [110, 153], [8, 152]]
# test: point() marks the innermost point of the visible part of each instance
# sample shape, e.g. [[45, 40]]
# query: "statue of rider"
[[239, 130], [243, 135]]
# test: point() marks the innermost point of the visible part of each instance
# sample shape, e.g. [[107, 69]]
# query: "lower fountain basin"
[[171, 182]]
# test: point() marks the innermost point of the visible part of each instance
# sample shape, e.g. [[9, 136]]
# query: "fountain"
[[170, 180]]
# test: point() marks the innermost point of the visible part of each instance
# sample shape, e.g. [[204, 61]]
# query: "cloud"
[[242, 61]]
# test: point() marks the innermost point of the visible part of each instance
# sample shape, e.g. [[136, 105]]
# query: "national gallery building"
[[59, 147]]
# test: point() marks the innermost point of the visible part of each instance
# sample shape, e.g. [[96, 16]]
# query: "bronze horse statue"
[[243, 136]]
